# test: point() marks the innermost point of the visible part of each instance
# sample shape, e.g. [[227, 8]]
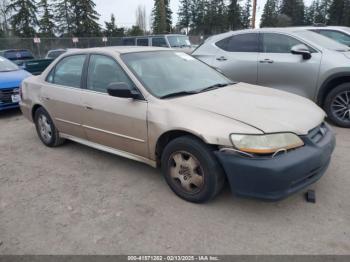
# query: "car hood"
[[13, 78], [264, 108]]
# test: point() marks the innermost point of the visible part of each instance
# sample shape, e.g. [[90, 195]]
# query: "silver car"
[[290, 59]]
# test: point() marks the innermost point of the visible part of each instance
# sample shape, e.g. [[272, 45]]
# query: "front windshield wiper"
[[183, 93], [216, 86], [180, 93]]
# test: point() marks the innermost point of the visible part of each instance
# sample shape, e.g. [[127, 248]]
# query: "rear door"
[[279, 68], [237, 57], [118, 123], [61, 95]]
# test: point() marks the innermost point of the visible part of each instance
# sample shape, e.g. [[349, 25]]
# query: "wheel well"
[[329, 86], [166, 138], [35, 107]]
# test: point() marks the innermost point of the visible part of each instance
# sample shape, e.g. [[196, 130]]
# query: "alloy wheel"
[[341, 106]]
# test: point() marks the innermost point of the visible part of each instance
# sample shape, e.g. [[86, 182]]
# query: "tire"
[[337, 105], [191, 170], [46, 129]]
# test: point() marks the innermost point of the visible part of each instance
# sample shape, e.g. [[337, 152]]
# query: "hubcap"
[[341, 106], [186, 172], [45, 128]]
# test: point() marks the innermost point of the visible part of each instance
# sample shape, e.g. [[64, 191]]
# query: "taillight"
[[20, 91]]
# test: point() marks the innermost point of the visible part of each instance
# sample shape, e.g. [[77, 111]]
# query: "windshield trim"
[[122, 57]]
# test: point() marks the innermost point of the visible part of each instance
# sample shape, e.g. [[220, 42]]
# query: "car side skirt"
[[110, 150]]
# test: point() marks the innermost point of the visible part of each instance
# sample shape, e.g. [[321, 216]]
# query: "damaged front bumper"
[[278, 177]]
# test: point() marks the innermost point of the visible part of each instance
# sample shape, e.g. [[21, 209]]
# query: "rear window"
[[128, 41], [159, 41], [240, 43], [142, 42], [18, 55]]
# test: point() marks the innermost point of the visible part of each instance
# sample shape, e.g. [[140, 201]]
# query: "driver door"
[[279, 68], [118, 123]]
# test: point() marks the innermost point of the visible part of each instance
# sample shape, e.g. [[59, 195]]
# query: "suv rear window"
[[18, 55], [142, 42], [240, 43], [159, 41], [128, 41]]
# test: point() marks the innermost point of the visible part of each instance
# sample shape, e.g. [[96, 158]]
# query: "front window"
[[167, 73], [104, 71], [179, 41], [278, 43], [7, 66]]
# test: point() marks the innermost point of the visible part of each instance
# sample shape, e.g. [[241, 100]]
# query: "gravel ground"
[[77, 200]]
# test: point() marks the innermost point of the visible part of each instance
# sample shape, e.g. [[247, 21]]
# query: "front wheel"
[[46, 129], [192, 170], [337, 105]]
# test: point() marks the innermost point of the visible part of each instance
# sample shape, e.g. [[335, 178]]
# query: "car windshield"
[[168, 73], [7, 66], [322, 41], [179, 41]]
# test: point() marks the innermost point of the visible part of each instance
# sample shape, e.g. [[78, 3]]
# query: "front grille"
[[6, 95], [317, 134]]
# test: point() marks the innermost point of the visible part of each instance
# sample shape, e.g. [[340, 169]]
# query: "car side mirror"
[[301, 50], [122, 90]]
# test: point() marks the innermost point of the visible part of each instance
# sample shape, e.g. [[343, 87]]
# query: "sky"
[[124, 10]]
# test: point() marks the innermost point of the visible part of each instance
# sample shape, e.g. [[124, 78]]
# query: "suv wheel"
[[46, 129], [192, 170], [337, 105]]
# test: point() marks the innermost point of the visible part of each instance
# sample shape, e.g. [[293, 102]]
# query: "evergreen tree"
[[246, 13], [339, 13], [168, 15], [112, 30], [234, 15], [63, 16], [184, 14], [159, 17], [198, 16], [85, 20], [46, 23], [295, 10], [269, 17], [317, 12], [135, 31], [215, 17], [24, 19]]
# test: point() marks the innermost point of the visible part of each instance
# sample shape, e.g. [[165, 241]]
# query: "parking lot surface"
[[78, 200]]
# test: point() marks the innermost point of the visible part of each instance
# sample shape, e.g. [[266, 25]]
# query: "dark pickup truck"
[[25, 60]]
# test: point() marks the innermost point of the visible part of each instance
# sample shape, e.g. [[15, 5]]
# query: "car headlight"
[[266, 144]]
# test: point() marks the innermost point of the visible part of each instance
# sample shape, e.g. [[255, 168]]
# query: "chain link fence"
[[40, 50]]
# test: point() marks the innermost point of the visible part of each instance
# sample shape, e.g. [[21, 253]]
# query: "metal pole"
[[254, 14]]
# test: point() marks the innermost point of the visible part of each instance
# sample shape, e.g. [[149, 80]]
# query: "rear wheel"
[[46, 129], [192, 170], [337, 105]]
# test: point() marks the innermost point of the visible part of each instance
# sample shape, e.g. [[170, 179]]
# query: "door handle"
[[46, 98], [269, 61], [221, 58], [89, 108]]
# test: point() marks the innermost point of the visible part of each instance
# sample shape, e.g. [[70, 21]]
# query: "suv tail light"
[[20, 91]]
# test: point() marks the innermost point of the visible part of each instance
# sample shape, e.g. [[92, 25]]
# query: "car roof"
[[121, 49]]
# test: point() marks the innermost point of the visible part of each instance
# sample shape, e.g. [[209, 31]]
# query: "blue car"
[[11, 77]]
